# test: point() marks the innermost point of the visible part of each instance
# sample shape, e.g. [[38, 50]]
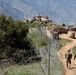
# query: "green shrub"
[[74, 50], [62, 42]]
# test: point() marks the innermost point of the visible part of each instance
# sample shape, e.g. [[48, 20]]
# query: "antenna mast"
[[47, 8]]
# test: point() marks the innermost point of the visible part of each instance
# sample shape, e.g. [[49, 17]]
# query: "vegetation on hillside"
[[74, 50], [19, 44], [13, 39], [62, 42]]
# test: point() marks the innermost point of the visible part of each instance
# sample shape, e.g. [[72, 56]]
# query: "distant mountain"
[[10, 11], [60, 11]]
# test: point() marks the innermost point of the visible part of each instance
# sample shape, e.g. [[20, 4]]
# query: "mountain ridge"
[[60, 11], [10, 11]]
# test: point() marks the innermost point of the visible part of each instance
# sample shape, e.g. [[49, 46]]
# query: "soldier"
[[68, 57], [74, 56]]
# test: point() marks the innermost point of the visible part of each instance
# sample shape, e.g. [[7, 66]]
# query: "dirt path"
[[62, 52]]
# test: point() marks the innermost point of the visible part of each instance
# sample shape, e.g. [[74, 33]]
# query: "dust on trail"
[[62, 52]]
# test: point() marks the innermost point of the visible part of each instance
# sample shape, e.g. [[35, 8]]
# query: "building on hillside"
[[38, 18], [43, 18], [53, 32], [52, 35], [63, 30], [71, 34], [72, 28]]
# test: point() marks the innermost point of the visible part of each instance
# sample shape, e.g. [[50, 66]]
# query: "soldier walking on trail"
[[74, 56], [68, 57]]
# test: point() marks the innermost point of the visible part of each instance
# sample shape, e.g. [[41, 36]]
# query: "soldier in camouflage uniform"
[[68, 57]]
